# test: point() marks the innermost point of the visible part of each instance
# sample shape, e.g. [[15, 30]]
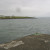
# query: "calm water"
[[15, 28]]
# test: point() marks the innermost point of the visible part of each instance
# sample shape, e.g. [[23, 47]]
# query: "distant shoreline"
[[16, 17]]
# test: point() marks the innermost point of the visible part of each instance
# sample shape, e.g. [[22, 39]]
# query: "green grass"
[[36, 34], [15, 17]]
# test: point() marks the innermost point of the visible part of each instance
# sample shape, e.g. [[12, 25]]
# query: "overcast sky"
[[37, 8]]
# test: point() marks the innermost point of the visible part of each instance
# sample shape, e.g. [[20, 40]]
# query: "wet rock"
[[31, 42]]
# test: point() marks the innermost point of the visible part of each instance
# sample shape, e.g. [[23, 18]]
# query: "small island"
[[16, 17]]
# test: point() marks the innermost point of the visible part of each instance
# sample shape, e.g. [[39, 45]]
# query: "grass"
[[15, 17], [36, 34]]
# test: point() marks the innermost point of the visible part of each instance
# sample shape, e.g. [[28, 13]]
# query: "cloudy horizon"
[[37, 8]]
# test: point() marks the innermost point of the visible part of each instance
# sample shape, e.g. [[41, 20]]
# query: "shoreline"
[[16, 17], [30, 42]]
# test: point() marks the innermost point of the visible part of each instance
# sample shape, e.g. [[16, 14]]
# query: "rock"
[[11, 44]]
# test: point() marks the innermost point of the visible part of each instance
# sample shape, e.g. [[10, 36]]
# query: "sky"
[[35, 8]]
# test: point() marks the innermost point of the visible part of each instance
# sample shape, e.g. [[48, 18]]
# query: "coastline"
[[16, 17], [30, 42]]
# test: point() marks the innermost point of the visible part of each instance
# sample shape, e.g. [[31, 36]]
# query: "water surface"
[[11, 29]]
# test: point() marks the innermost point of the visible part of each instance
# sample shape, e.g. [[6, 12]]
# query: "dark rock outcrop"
[[31, 42]]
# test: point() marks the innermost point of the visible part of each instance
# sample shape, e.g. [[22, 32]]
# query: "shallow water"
[[11, 29]]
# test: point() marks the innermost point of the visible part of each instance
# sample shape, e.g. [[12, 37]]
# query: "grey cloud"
[[27, 7]]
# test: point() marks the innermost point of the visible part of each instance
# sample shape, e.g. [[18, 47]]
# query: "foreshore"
[[30, 42]]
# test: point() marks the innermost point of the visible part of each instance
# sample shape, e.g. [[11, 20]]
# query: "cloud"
[[38, 8]]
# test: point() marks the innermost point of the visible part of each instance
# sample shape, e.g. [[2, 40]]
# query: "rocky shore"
[[31, 42]]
